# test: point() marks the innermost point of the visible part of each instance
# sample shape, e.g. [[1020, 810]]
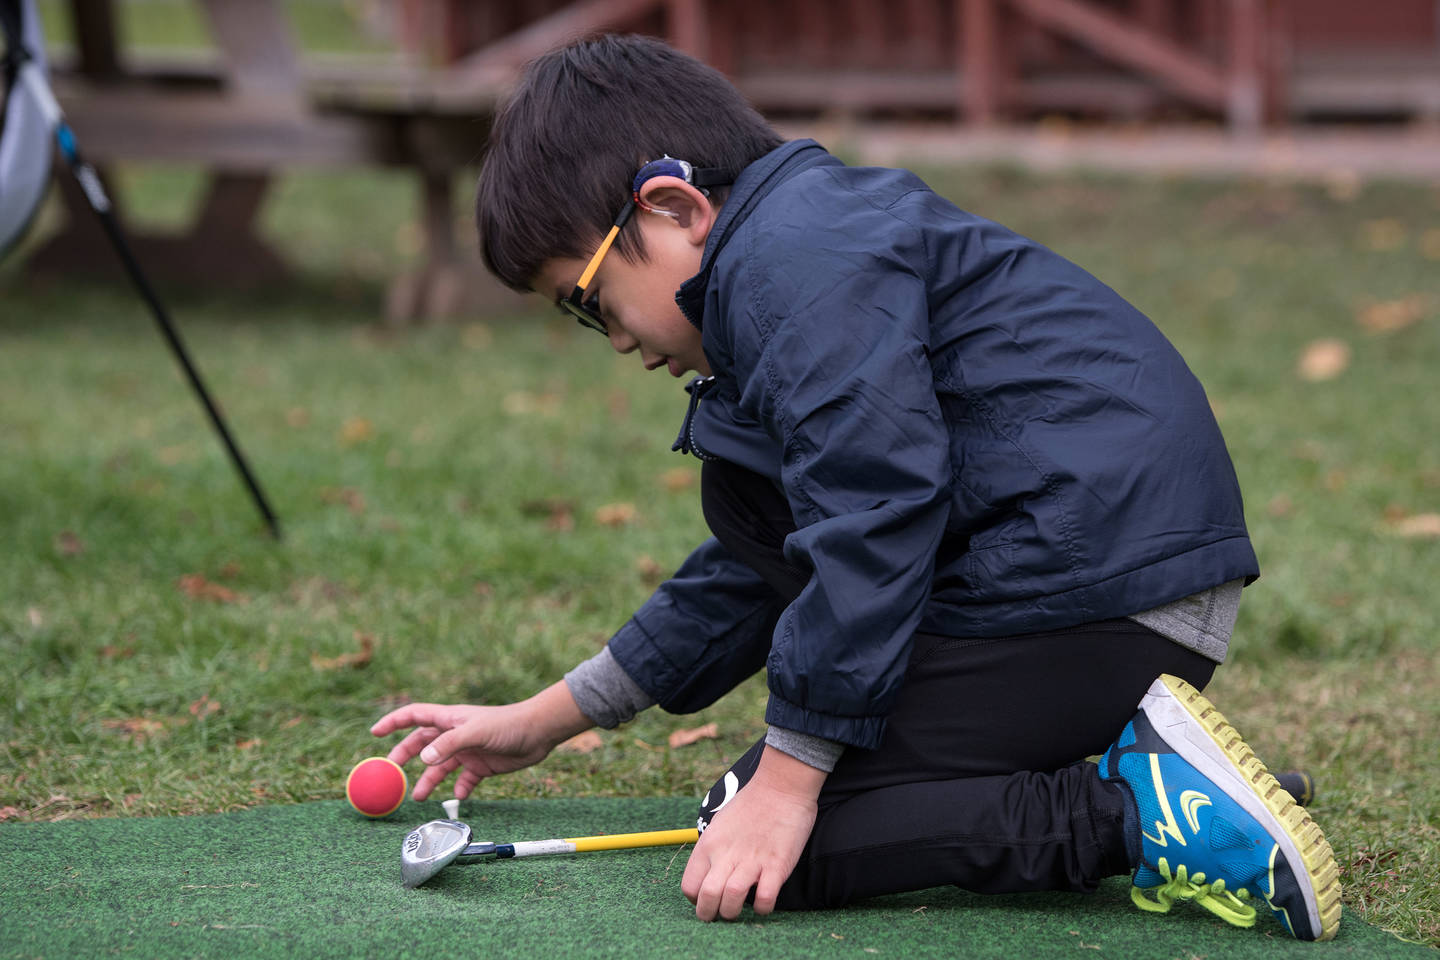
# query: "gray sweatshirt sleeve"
[[814, 751], [604, 692]]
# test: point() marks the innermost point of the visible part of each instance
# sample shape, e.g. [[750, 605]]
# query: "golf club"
[[43, 112], [433, 846]]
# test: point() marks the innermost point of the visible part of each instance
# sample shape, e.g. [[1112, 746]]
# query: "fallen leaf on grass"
[[650, 571], [248, 744], [196, 587], [204, 707], [1425, 525], [1384, 235], [559, 514], [352, 661], [139, 729], [1280, 506], [1343, 185], [618, 403], [683, 738], [616, 514], [67, 544], [112, 652], [1389, 315], [356, 430], [1324, 359], [522, 402], [680, 478], [311, 591], [9, 813], [476, 336], [587, 742], [349, 496], [1430, 243], [35, 616]]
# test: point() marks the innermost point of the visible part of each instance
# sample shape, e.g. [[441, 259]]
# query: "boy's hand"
[[481, 741], [756, 840]]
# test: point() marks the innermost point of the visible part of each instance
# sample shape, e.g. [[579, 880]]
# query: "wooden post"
[[925, 43], [978, 66], [722, 27], [1278, 61], [259, 54], [867, 31], [94, 22], [1157, 16], [1244, 100], [686, 26]]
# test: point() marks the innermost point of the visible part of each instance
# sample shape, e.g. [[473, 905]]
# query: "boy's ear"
[[690, 209]]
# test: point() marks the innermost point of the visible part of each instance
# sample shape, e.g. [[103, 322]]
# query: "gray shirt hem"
[[1202, 622]]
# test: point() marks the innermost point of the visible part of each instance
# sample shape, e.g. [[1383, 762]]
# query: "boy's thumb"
[[436, 751]]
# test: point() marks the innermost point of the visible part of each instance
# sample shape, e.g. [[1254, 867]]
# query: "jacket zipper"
[[685, 442]]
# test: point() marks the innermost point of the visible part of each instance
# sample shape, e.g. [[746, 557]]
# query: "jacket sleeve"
[[701, 633], [837, 367]]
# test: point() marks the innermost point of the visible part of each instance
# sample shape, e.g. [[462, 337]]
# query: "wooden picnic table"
[[252, 111], [256, 107]]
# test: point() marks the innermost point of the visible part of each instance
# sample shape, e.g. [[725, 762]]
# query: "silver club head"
[[433, 846]]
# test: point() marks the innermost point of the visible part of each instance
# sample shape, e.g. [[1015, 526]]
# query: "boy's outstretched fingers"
[[415, 715], [481, 741], [409, 748], [433, 776]]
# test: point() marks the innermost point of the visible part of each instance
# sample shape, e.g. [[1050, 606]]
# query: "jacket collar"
[[753, 184]]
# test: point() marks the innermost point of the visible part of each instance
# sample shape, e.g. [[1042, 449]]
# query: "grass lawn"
[[472, 508]]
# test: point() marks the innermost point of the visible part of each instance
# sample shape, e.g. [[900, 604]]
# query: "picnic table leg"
[[450, 282], [220, 250], [225, 234]]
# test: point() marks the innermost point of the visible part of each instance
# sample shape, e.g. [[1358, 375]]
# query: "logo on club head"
[[412, 842]]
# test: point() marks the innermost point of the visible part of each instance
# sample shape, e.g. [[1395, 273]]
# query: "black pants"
[[981, 779]]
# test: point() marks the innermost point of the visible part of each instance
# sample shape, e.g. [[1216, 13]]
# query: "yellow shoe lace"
[[1214, 897]]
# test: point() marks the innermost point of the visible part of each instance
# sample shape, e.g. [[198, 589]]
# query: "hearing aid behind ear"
[[668, 166]]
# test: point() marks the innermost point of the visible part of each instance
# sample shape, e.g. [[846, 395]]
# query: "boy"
[[968, 505]]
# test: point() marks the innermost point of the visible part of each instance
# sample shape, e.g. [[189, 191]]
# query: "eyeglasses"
[[587, 312]]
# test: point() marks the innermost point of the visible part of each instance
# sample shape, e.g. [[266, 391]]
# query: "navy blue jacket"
[[976, 437]]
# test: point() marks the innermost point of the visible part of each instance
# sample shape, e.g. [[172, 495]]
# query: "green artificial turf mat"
[[318, 880]]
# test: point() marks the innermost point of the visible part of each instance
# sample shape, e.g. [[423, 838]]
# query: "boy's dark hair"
[[567, 144]]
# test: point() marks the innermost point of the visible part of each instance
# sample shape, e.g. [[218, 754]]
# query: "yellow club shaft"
[[625, 841]]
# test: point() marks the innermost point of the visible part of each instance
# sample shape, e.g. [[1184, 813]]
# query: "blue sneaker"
[[1215, 827]]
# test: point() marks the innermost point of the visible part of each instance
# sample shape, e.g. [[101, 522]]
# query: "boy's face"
[[637, 300]]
